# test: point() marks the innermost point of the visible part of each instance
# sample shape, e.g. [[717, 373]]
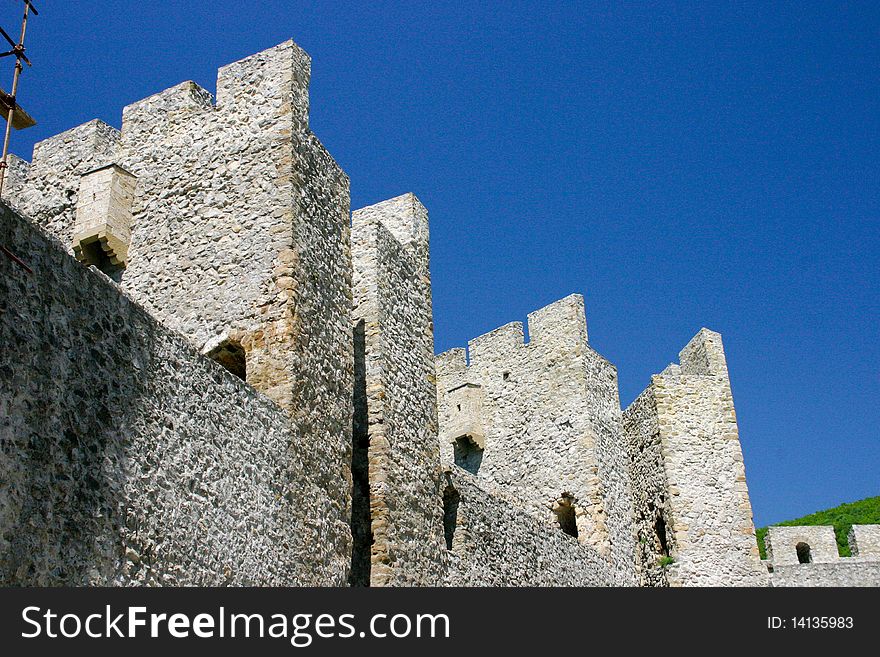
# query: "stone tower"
[[692, 509], [540, 422]]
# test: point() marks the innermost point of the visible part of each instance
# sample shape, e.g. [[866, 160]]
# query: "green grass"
[[863, 512]]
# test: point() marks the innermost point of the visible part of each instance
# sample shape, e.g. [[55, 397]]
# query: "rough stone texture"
[[239, 232], [687, 470], [127, 458], [396, 453], [47, 188], [240, 220], [864, 541], [824, 566], [497, 543], [845, 572], [650, 488], [550, 413], [782, 542]]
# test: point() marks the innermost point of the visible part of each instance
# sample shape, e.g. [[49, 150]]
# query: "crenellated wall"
[[127, 458], [692, 512], [239, 232], [809, 556], [239, 227], [550, 415], [132, 453], [397, 520]]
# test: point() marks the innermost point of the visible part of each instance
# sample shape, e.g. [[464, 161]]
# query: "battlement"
[[804, 544], [405, 218], [165, 109], [261, 380], [788, 545], [397, 518], [540, 421], [47, 188], [559, 325], [809, 556], [704, 355], [864, 541]]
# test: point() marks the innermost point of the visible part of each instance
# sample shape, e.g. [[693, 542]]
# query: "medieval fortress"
[[214, 373]]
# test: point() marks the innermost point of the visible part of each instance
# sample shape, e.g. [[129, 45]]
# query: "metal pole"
[[15, 76]]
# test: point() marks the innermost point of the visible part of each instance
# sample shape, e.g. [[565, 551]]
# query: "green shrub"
[[863, 512]]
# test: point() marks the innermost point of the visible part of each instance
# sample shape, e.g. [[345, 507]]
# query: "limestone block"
[[103, 215]]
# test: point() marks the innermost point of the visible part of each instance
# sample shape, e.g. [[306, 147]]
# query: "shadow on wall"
[[71, 386], [361, 529], [128, 458]]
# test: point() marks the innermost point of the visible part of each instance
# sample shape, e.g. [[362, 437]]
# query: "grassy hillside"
[[863, 512]]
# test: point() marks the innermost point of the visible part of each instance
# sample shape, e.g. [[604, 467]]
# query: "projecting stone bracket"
[[97, 249], [466, 409], [102, 231]]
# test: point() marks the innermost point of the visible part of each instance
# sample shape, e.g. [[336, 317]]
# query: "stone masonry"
[[547, 425], [214, 374], [126, 458], [692, 511], [809, 556], [395, 432]]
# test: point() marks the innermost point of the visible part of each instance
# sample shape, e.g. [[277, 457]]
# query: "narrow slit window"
[[451, 499], [660, 536]]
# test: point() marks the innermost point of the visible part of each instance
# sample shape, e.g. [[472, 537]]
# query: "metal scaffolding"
[[15, 116]]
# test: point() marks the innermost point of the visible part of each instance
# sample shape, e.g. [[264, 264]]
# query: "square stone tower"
[[540, 423], [692, 509], [228, 222]]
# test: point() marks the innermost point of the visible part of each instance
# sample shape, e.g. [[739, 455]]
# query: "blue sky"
[[680, 164]]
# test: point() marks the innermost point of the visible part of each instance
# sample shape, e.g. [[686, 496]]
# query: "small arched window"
[[803, 553]]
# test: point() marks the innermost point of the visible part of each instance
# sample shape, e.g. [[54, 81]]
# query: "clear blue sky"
[[680, 164]]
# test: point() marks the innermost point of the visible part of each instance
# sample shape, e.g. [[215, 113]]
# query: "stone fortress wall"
[[808, 556], [540, 422], [127, 458], [215, 374], [692, 502]]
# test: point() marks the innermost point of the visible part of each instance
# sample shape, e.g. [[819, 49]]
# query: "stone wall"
[[809, 556], [397, 521], [496, 543], [687, 468], [845, 572], [550, 416], [818, 542], [239, 233], [650, 489], [126, 458], [864, 541], [240, 218]]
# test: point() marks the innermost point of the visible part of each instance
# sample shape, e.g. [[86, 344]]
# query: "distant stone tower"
[[692, 509], [540, 422]]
